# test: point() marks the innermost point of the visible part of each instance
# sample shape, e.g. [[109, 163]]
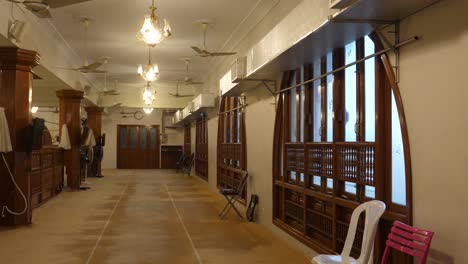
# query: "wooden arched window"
[[201, 147], [187, 140], [340, 141], [232, 158]]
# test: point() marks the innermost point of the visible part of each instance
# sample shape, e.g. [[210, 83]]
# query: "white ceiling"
[[113, 34]]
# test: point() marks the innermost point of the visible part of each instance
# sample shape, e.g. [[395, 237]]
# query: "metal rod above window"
[[234, 109], [349, 65]]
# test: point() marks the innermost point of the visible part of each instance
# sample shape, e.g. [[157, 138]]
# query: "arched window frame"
[[293, 194], [232, 148], [201, 147], [187, 140]]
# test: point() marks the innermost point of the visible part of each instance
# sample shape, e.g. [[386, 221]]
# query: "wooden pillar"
[[70, 101], [15, 96], [95, 123]]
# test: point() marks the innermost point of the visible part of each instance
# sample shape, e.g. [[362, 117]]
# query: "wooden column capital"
[[70, 94], [94, 109], [13, 58]]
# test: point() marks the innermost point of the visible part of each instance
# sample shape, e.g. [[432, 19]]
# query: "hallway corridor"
[[141, 217]]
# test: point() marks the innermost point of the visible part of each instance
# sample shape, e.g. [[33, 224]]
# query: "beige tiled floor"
[[141, 217]]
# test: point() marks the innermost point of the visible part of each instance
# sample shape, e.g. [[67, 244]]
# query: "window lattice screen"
[[231, 142]]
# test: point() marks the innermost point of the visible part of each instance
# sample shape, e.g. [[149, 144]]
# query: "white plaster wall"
[[213, 151], [41, 36], [109, 126], [434, 91]]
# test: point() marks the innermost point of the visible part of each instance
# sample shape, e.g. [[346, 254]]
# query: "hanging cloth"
[[90, 140], [65, 138], [5, 141]]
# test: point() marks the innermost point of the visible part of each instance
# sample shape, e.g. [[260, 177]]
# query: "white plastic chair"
[[374, 210]]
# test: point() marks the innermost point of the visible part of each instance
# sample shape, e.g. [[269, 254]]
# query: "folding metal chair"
[[180, 163], [233, 195], [188, 163]]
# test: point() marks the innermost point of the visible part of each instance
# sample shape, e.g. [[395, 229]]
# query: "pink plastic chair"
[[409, 240]]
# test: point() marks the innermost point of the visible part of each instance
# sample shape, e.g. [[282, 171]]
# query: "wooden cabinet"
[[46, 174], [170, 155]]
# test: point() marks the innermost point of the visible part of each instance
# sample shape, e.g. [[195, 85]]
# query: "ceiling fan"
[[110, 108], [203, 52], [106, 92], [93, 67], [187, 79], [177, 95], [40, 8]]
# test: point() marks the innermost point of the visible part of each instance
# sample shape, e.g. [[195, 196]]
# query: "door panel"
[[138, 147], [133, 150], [155, 146], [122, 147], [143, 159]]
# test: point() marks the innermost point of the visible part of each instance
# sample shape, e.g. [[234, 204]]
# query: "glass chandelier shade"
[[148, 95], [34, 109], [148, 110], [152, 32], [149, 72]]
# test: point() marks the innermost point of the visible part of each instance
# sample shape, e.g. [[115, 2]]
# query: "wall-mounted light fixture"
[[16, 31]]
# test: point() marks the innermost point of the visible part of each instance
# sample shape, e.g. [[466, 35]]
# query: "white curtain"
[[5, 141]]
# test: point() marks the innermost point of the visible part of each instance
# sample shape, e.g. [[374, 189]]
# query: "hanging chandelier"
[[148, 110], [152, 32], [150, 71], [148, 95]]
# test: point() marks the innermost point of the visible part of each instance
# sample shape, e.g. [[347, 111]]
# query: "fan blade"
[[194, 83], [92, 66], [216, 54], [92, 71], [113, 106], [186, 95], [200, 51], [68, 69], [62, 3], [107, 92], [42, 14]]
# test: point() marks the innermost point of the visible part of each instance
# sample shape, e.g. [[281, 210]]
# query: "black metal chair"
[[180, 163], [234, 195], [188, 164]]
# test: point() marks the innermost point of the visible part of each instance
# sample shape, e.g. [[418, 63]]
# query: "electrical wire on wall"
[[5, 208], [5, 146]]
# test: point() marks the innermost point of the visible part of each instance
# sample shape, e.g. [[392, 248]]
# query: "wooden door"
[[138, 147]]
